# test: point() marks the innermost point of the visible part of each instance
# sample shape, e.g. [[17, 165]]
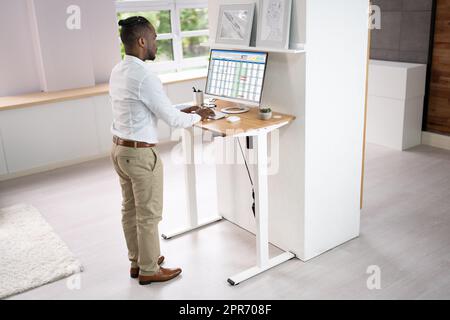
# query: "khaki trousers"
[[141, 178]]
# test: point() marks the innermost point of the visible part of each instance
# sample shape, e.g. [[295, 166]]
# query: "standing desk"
[[249, 126]]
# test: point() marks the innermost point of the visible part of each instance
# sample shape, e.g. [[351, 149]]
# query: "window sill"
[[31, 99], [183, 76]]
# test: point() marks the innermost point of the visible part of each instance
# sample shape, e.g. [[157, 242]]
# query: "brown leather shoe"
[[164, 274], [134, 272]]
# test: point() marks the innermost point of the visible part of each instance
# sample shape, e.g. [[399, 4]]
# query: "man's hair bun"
[[133, 21]]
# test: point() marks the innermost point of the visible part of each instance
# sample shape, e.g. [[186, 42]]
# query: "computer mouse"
[[233, 119]]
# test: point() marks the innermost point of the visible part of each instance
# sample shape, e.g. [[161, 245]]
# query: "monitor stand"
[[236, 109], [242, 105]]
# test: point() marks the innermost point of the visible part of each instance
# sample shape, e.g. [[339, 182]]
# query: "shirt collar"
[[129, 58]]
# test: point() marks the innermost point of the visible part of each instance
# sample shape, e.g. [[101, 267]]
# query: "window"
[[182, 27]]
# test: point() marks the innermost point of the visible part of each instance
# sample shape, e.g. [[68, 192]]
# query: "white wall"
[[43, 54], [17, 62], [65, 54], [104, 37]]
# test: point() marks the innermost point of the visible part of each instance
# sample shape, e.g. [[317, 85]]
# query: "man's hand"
[[205, 113], [190, 109]]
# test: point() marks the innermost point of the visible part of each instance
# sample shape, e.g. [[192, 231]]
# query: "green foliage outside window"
[[192, 20], [192, 47]]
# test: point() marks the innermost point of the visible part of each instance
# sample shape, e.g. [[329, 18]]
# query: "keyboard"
[[217, 114]]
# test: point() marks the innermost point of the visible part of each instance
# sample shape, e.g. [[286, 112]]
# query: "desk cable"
[[249, 176]]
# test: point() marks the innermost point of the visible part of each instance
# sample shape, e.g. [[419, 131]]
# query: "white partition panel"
[[337, 36]]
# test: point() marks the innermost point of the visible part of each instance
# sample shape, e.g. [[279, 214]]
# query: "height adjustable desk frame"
[[251, 126]]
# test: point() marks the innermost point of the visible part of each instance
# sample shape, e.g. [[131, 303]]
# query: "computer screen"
[[236, 75]]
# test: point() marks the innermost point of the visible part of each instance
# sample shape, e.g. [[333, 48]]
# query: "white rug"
[[31, 254]]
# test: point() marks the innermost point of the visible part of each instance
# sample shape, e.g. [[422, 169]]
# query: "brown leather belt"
[[131, 143]]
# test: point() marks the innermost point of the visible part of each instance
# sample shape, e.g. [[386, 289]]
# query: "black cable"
[[249, 176]]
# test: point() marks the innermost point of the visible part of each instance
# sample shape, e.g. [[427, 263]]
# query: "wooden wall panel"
[[438, 118]]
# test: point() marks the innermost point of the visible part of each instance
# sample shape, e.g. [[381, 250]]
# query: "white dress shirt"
[[138, 101]]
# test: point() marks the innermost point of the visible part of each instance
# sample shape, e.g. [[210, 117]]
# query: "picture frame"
[[235, 24], [274, 24]]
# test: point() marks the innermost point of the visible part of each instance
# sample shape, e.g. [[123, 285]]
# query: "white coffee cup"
[[199, 98]]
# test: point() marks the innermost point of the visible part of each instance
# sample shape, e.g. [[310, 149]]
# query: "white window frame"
[[174, 6]]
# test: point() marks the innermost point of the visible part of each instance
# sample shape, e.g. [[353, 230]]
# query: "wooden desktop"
[[249, 122]]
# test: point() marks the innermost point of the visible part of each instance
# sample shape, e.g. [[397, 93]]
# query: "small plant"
[[265, 110], [265, 113]]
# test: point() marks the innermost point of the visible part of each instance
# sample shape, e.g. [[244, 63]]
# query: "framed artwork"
[[235, 24], [274, 23]]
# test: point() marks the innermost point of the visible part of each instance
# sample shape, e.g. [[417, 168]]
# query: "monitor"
[[236, 75]]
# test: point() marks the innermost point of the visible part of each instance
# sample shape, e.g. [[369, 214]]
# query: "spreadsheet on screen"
[[236, 74]]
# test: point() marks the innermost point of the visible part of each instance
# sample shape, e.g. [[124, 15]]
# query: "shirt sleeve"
[[152, 94]]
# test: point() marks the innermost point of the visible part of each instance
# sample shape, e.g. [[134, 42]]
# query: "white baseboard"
[[436, 140], [51, 166]]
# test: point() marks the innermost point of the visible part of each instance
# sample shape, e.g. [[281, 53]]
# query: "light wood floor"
[[405, 230]]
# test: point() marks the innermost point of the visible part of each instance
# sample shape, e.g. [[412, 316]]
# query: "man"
[[138, 101]]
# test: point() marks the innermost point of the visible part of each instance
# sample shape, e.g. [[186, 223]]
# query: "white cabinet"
[[103, 120], [3, 167], [49, 133], [395, 104]]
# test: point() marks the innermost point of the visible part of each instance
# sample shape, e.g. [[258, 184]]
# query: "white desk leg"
[[262, 219], [188, 145], [262, 202]]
